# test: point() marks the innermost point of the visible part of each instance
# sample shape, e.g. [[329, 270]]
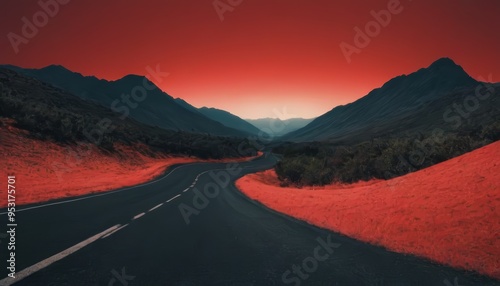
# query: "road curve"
[[193, 227]]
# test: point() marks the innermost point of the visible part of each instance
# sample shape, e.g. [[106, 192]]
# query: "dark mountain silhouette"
[[416, 102], [186, 105], [126, 96], [278, 127], [52, 114], [226, 118], [229, 119]]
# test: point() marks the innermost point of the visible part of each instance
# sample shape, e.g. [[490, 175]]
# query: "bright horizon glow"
[[289, 58]]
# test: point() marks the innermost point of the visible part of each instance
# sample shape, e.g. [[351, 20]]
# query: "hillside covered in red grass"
[[45, 170], [449, 213], [60, 145]]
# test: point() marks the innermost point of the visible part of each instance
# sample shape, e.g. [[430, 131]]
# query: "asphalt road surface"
[[193, 227]]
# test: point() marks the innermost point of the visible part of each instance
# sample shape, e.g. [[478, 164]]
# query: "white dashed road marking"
[[138, 216], [174, 198], [46, 262], [108, 234], [105, 193], [56, 257], [153, 208]]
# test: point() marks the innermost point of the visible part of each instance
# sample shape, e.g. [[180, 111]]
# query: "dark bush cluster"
[[49, 113], [382, 158]]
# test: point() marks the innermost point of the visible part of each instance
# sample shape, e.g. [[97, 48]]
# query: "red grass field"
[[449, 213], [46, 171]]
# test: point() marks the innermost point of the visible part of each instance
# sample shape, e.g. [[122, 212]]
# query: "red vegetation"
[[449, 212], [45, 170]]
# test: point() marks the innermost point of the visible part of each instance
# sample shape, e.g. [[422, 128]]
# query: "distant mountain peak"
[[131, 77], [442, 74], [210, 108], [60, 70], [447, 68], [423, 96], [57, 69], [157, 109], [444, 62]]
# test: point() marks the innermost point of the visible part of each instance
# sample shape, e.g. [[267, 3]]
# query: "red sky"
[[267, 58]]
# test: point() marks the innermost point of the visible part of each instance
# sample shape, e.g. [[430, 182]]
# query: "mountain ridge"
[[149, 104], [278, 127], [224, 117], [399, 100]]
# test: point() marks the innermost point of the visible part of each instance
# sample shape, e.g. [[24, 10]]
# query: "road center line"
[[115, 191], [138, 216], [106, 193], [185, 190], [108, 234], [174, 198], [56, 257], [153, 208]]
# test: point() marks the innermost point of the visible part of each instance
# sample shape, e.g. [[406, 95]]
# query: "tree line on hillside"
[[49, 113], [306, 164]]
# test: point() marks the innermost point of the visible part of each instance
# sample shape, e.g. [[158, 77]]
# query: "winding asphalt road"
[[140, 236]]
